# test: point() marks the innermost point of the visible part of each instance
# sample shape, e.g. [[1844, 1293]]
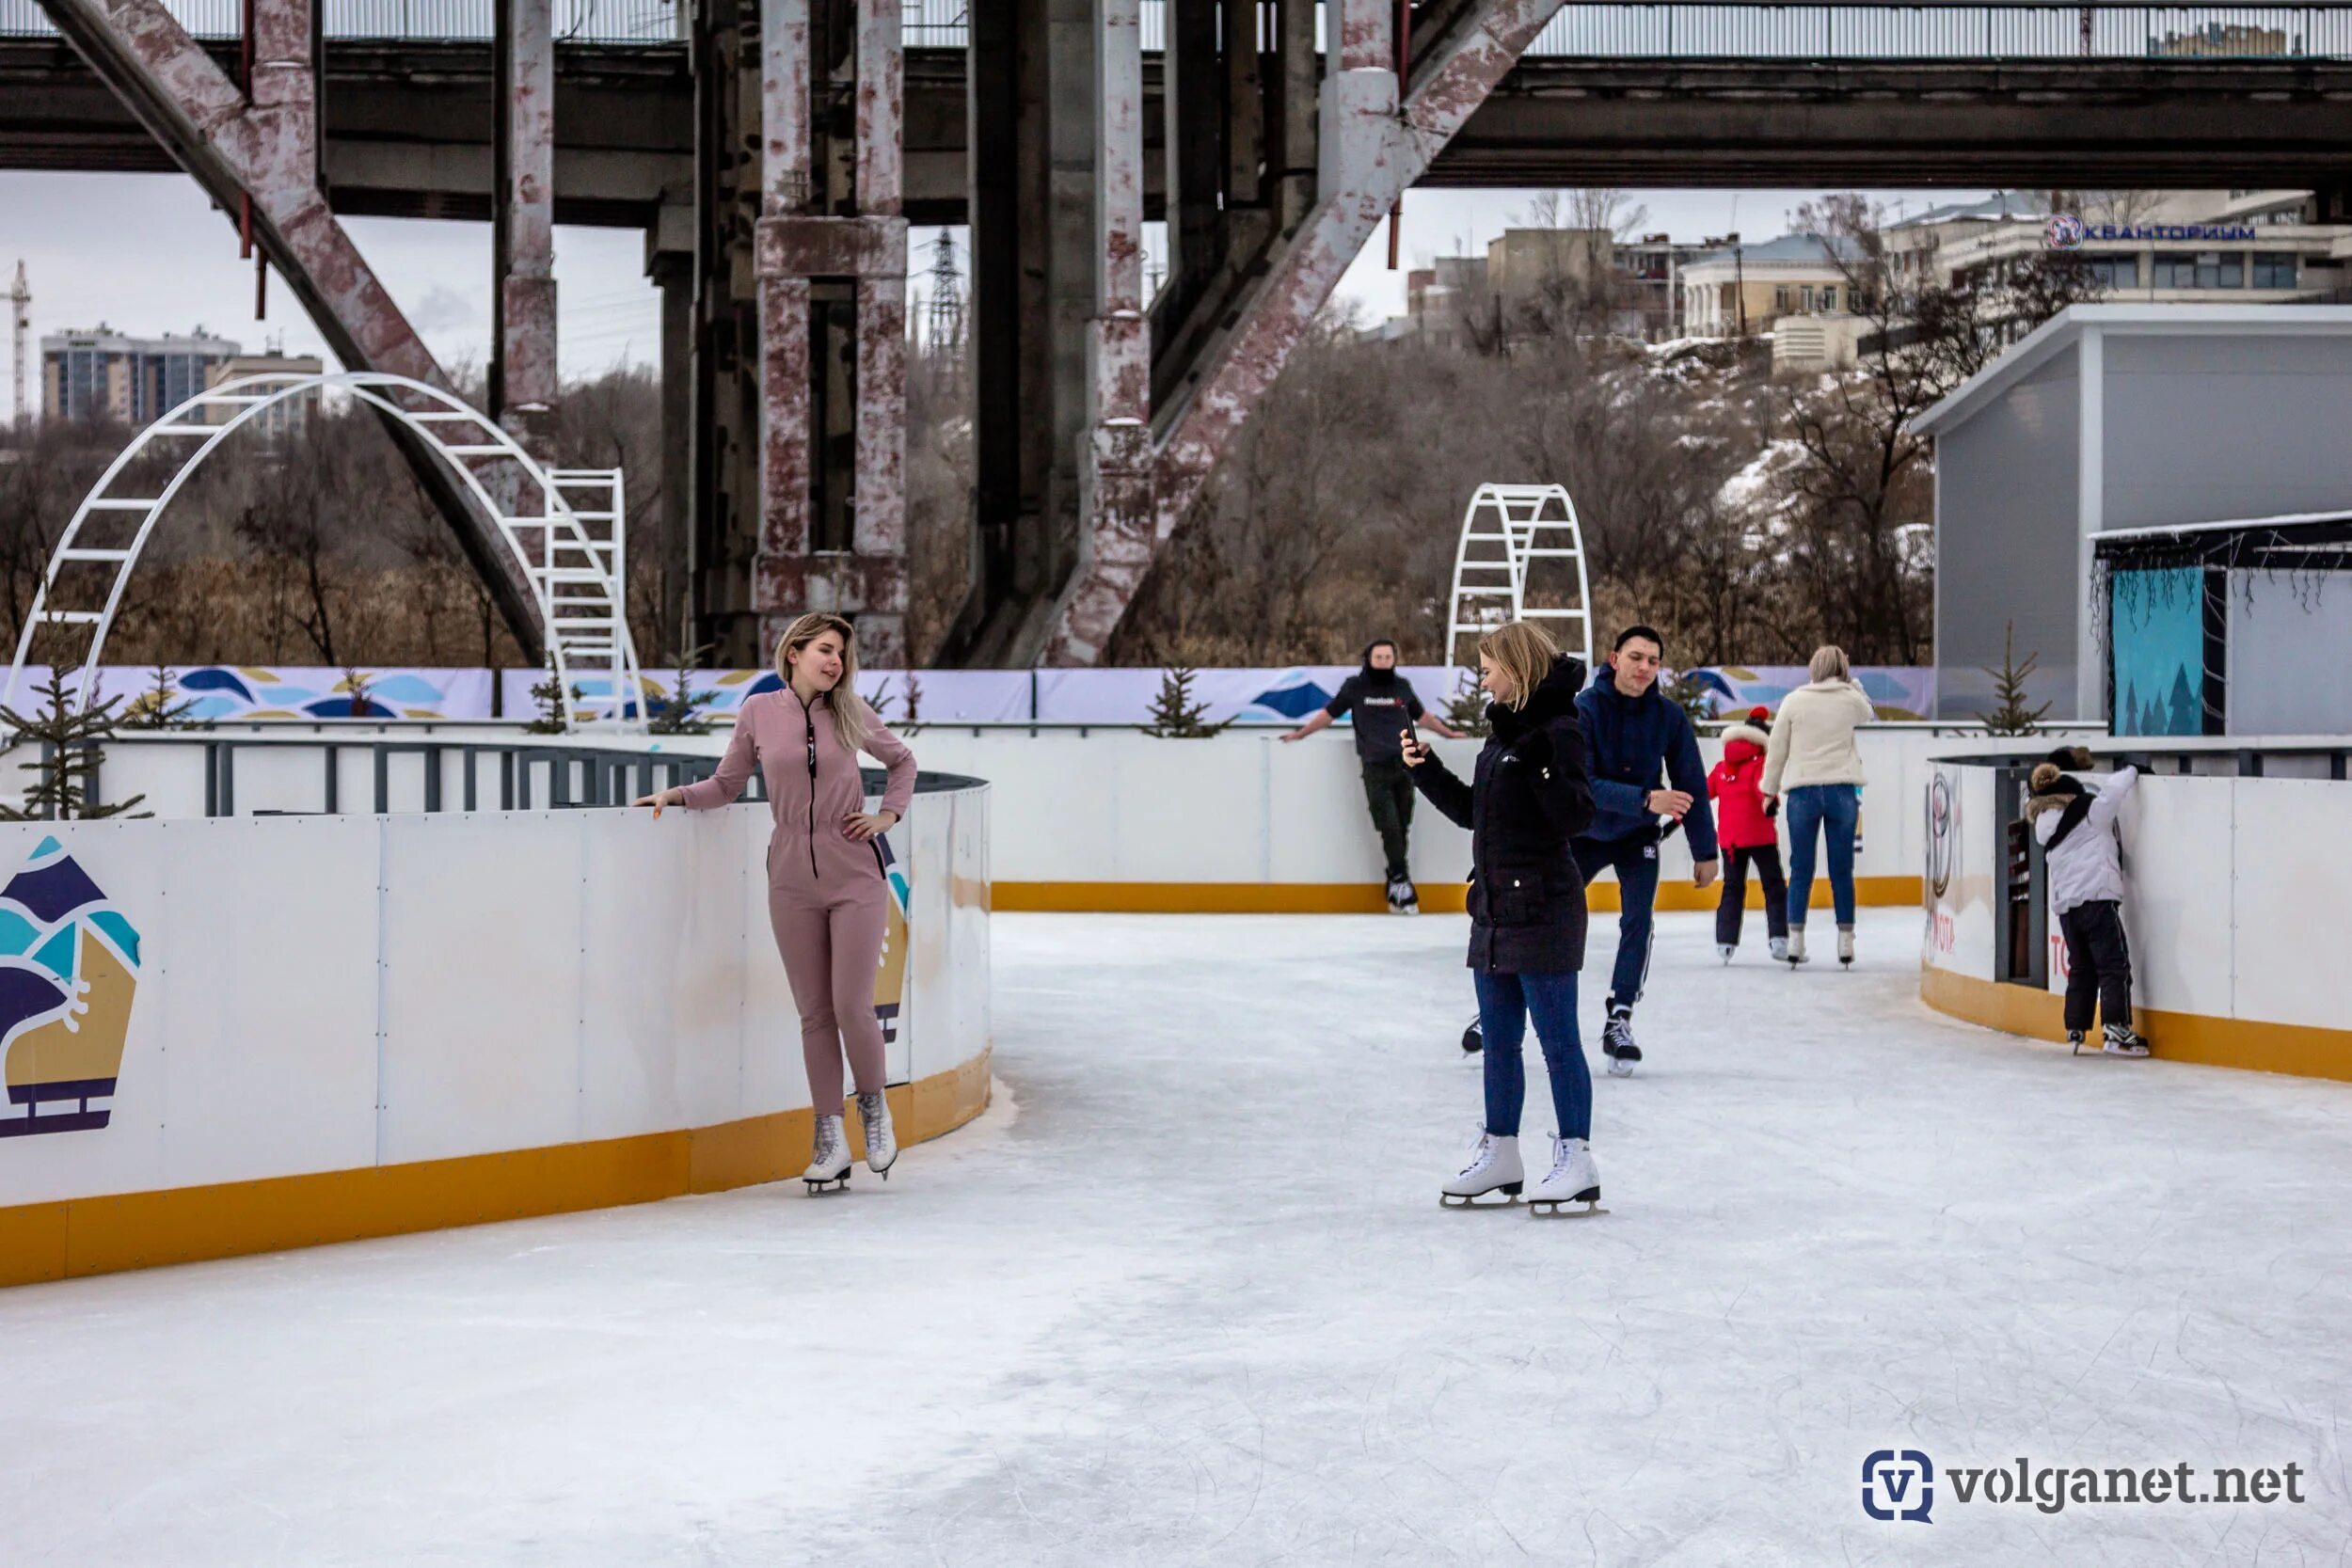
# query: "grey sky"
[[145, 254]]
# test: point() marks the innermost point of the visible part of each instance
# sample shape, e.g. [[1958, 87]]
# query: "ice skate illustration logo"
[[890, 982], [1942, 809], [69, 970], [1898, 1484]]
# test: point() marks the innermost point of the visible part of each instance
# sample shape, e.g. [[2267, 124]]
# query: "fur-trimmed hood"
[[1737, 734], [2052, 789]]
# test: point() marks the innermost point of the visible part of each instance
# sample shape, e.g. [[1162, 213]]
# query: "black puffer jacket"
[[1530, 796]]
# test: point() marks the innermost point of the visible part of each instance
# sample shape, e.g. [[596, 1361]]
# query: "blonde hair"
[[1524, 653], [1829, 664], [851, 718]]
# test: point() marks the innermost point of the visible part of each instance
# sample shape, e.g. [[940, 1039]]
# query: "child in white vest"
[[2075, 828]]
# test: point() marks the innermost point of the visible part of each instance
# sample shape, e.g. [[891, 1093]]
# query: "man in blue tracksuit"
[[1633, 734]]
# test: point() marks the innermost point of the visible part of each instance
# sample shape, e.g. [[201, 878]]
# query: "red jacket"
[[1737, 787]]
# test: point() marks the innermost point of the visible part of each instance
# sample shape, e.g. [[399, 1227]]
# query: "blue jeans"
[[1834, 808], [1503, 1002], [1635, 861]]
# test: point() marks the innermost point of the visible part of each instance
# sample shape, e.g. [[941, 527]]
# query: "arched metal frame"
[[572, 557], [1520, 548]]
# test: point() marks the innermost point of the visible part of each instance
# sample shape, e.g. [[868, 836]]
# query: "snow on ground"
[[1194, 1301]]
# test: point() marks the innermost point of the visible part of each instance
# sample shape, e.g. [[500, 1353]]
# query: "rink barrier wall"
[[307, 1029], [187, 1225], [1097, 818], [2235, 920], [1370, 898], [1115, 821]]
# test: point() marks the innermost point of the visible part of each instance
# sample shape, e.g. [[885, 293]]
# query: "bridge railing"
[[1664, 29]]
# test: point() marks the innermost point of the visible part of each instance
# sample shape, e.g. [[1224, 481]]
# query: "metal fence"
[[1672, 30]]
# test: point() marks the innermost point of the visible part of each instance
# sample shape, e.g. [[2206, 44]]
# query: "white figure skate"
[[1494, 1167], [1573, 1180]]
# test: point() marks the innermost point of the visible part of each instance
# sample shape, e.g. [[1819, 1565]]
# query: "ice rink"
[[1185, 1295]]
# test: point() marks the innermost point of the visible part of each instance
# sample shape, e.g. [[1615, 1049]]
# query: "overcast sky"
[[147, 255]]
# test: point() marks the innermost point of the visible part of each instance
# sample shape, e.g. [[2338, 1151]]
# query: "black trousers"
[[2098, 965], [1389, 790], [1766, 859]]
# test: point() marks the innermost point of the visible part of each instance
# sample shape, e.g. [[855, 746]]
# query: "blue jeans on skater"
[[1634, 858], [1833, 809], [1504, 1002]]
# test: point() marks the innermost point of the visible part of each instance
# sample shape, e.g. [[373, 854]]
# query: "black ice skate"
[[1474, 1038], [2120, 1041], [1616, 1043], [1403, 898]]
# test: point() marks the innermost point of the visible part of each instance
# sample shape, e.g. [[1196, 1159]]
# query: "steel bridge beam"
[[264, 148], [1372, 146]]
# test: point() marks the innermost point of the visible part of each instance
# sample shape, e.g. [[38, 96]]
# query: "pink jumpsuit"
[[826, 898]]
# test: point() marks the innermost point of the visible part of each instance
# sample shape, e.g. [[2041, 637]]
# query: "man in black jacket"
[[1384, 705]]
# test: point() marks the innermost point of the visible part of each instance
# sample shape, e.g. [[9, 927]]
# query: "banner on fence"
[[1250, 696]]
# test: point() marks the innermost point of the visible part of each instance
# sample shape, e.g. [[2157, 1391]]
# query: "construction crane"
[[20, 316]]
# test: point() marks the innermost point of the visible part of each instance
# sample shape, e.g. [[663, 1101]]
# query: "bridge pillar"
[[830, 258], [523, 368]]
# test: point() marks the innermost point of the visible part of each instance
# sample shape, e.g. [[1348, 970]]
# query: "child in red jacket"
[[1745, 825]]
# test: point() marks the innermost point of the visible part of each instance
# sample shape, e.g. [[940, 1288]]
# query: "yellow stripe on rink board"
[[184, 1225], [2237, 1042], [1367, 897]]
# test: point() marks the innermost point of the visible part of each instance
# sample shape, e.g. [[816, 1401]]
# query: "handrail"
[[2180, 35]]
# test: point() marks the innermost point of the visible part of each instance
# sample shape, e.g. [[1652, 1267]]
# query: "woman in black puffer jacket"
[[1529, 797]]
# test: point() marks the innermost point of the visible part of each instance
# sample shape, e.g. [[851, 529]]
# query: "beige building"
[[280, 422], [1748, 288]]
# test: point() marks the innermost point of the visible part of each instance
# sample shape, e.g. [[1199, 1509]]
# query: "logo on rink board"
[[69, 970], [890, 982], [1898, 1483]]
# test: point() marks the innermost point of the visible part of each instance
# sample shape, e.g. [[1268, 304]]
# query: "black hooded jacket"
[[1529, 797]]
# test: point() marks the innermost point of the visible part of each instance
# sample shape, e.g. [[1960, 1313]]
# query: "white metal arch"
[[1520, 558], [572, 557]]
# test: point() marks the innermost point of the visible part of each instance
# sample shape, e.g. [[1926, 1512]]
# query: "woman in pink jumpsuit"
[[826, 894]]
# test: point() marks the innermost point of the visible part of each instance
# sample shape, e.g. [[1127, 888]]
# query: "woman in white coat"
[[1811, 763]]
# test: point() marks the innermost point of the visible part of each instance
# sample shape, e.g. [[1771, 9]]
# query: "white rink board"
[[321, 993], [1115, 805], [2235, 904]]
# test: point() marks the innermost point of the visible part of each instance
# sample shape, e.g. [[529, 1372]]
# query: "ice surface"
[[1186, 1295]]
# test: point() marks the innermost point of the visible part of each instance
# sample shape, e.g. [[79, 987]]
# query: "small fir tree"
[[2012, 717], [680, 712], [1175, 716], [355, 684], [71, 747], [160, 707], [1465, 710], [548, 694], [1692, 698]]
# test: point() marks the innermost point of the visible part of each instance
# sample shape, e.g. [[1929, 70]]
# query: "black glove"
[[1772, 809]]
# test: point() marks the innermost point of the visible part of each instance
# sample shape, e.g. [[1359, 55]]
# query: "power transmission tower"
[[944, 320], [20, 316]]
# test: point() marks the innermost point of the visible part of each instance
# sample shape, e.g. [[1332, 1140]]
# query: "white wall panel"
[[481, 983], [2178, 849], [2293, 903]]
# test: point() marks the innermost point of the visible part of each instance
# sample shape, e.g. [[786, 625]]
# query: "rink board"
[[346, 1026], [1111, 819], [2233, 912]]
